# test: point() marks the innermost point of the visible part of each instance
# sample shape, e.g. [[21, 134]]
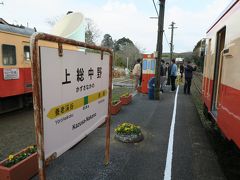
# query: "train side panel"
[[227, 85], [13, 87], [15, 79]]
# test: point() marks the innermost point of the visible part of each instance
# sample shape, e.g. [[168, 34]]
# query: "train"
[[221, 74], [15, 66]]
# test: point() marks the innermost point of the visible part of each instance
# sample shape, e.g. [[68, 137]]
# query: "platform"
[[191, 158]]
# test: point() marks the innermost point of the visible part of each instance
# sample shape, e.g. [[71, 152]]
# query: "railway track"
[[197, 81], [227, 153]]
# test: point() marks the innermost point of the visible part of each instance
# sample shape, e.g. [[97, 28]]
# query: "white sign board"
[[74, 96], [9, 74]]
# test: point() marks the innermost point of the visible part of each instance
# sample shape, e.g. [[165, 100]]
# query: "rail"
[[197, 79]]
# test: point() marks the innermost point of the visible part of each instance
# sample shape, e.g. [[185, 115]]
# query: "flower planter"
[[115, 108], [126, 99], [24, 169], [128, 133], [129, 138]]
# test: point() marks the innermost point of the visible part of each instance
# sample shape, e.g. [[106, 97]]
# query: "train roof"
[[17, 29], [228, 8]]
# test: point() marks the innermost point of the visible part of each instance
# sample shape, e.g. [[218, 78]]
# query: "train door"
[[217, 69], [26, 67]]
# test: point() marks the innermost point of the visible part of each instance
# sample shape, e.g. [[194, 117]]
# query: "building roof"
[[4, 26], [2, 21]]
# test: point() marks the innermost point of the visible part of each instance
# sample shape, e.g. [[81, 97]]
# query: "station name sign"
[[74, 96]]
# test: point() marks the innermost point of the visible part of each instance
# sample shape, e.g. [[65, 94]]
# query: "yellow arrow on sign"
[[76, 104]]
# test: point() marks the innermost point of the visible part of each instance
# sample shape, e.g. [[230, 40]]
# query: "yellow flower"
[[31, 147], [10, 157]]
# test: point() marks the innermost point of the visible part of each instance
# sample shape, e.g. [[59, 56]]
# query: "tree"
[[91, 33], [107, 41], [198, 54], [119, 44], [125, 49]]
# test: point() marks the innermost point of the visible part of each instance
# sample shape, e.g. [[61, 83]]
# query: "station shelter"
[[148, 70]]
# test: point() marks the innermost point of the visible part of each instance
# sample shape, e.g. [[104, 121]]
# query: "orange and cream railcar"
[[148, 70], [15, 67], [221, 76]]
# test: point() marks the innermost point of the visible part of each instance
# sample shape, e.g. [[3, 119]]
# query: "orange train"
[[221, 76], [15, 66]]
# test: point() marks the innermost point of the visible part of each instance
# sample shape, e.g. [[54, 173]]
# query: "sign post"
[[72, 93]]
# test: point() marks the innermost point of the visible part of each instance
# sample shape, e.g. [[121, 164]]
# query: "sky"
[[124, 18]]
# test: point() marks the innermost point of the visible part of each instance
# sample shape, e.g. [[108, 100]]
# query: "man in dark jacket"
[[162, 75], [168, 73], [188, 77], [181, 70]]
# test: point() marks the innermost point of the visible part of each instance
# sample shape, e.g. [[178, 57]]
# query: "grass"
[[118, 91]]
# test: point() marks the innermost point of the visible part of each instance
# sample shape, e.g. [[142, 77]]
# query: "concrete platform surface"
[[192, 156]]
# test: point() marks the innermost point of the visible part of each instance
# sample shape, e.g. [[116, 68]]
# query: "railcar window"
[[27, 53], [9, 54]]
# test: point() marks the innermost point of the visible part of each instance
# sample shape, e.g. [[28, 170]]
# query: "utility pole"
[[171, 43], [159, 47]]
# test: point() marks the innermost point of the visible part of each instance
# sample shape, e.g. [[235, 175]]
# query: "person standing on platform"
[[168, 73], [137, 72], [173, 75], [162, 75], [188, 72], [140, 78], [181, 70]]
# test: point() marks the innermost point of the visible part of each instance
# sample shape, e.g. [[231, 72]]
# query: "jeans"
[[173, 78]]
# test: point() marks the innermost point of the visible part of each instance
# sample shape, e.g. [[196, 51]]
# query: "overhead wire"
[[163, 31], [166, 39], [155, 6]]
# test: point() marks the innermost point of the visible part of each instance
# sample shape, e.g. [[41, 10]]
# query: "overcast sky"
[[124, 18]]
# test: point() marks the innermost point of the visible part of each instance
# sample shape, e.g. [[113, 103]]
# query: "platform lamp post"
[[159, 48]]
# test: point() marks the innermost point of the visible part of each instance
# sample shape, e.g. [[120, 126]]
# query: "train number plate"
[[9, 74]]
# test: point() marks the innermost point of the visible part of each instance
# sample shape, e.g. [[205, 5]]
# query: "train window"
[[27, 53], [9, 54]]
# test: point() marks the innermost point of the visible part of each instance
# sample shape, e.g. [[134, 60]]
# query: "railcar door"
[[217, 69]]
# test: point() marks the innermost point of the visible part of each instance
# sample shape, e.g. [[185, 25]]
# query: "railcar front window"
[[9, 54], [27, 53]]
